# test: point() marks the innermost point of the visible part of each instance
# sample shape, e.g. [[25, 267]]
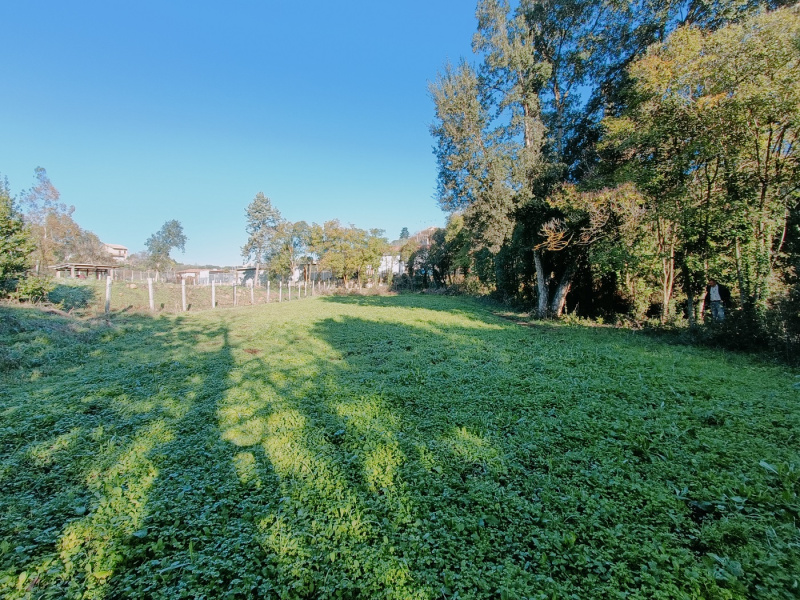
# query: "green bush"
[[71, 296], [33, 289]]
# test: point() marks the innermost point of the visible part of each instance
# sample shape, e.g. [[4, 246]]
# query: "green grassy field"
[[398, 447]]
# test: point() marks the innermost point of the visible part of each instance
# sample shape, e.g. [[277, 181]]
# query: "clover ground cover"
[[399, 447]]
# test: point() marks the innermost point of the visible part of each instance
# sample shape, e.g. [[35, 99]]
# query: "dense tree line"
[[608, 158], [279, 247], [38, 232]]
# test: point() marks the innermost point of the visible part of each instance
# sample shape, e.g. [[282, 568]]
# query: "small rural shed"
[[84, 270], [200, 276]]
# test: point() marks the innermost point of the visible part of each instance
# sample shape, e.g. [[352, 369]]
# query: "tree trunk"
[[687, 279], [667, 281], [744, 292], [541, 285], [560, 297]]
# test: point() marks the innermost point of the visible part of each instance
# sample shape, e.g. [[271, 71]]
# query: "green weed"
[[398, 447]]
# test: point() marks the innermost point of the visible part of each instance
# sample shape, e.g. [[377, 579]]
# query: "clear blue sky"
[[143, 111]]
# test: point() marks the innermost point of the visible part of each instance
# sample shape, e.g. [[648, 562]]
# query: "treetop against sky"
[[153, 111]]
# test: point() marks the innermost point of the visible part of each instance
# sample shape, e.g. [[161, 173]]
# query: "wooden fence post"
[[267, 290], [150, 293], [234, 294], [213, 294], [183, 294], [280, 291], [108, 293], [252, 293]]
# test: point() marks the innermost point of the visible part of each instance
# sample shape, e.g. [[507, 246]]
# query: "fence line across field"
[[301, 291], [201, 277]]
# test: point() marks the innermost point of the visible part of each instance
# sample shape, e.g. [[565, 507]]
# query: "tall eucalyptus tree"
[[263, 225]]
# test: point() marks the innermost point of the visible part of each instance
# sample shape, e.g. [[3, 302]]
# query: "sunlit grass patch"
[[403, 447]]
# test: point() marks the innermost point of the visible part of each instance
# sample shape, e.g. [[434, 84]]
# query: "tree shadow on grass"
[[530, 464], [407, 454], [414, 461], [318, 526], [466, 306], [381, 452], [93, 441]]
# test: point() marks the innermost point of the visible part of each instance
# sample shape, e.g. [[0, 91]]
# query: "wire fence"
[[206, 277], [98, 296]]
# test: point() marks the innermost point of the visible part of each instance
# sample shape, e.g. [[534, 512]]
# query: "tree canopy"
[[614, 156], [159, 245]]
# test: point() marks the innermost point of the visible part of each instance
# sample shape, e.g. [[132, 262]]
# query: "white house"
[[201, 276], [117, 252], [391, 263]]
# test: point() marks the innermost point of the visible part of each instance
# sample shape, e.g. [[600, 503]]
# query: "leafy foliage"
[[160, 244], [57, 237], [16, 245], [400, 447], [689, 108], [33, 288], [713, 142], [263, 222], [348, 251]]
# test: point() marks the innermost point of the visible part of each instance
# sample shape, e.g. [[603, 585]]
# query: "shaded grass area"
[[400, 447], [75, 296]]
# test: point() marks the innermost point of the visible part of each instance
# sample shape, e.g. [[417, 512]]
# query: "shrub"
[[33, 289], [71, 296]]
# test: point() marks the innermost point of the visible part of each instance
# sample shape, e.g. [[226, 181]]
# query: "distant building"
[[425, 237], [201, 276], [117, 252], [303, 271], [391, 263]]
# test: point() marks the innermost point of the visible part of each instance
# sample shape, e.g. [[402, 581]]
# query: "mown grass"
[[398, 447]]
